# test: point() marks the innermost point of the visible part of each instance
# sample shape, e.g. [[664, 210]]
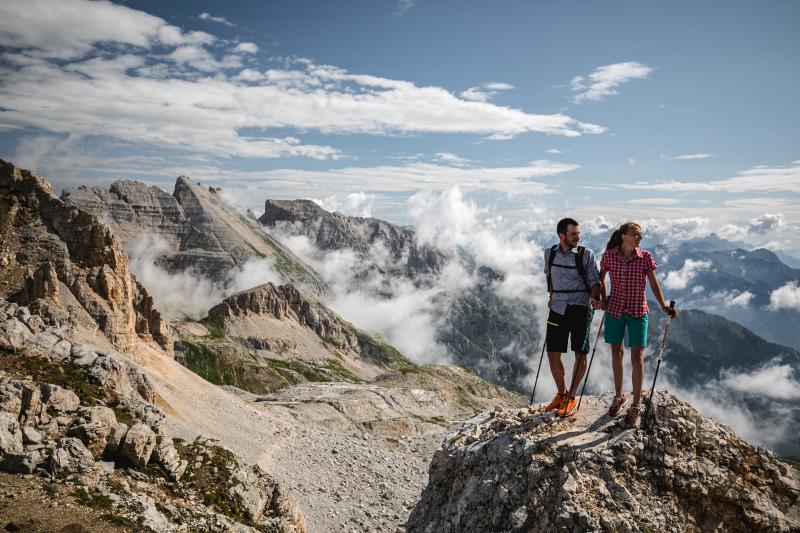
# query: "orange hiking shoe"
[[567, 406], [616, 405], [556, 403], [632, 416]]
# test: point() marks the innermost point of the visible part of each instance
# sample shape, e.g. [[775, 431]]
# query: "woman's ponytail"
[[615, 241]]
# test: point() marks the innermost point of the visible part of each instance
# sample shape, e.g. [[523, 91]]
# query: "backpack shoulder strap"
[[580, 266], [550, 259]]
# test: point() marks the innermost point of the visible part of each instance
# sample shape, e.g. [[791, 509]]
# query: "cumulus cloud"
[[605, 80], [732, 298], [452, 159], [786, 297], [189, 294], [553, 151], [69, 29], [766, 223], [679, 279], [245, 48], [405, 5]]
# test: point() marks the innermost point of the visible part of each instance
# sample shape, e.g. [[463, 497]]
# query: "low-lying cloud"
[[189, 293], [786, 297], [679, 279]]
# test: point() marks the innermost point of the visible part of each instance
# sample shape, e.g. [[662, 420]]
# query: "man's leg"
[[557, 370], [637, 363], [578, 371]]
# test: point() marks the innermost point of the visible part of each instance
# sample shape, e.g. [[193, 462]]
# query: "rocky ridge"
[[68, 266], [202, 231], [520, 470], [76, 416]]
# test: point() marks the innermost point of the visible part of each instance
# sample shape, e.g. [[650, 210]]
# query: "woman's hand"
[[671, 311], [598, 304]]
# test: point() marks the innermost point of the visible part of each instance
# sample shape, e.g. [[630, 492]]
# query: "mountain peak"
[[521, 470]]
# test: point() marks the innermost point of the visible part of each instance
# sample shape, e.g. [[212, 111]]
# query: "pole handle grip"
[[672, 304]]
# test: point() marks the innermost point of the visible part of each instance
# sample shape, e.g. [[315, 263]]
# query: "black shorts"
[[575, 322]]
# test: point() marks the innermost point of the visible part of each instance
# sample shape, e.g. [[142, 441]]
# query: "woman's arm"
[[603, 292], [672, 312]]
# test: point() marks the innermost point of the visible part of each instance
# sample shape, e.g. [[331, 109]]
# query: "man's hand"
[[598, 304]]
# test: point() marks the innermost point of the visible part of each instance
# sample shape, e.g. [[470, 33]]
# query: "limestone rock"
[[31, 403], [31, 436], [13, 334], [10, 434], [167, 456], [93, 435], [10, 396], [59, 399], [21, 462], [57, 243], [527, 471], [70, 457], [138, 444], [114, 439]]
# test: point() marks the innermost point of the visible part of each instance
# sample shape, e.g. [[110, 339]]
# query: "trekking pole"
[[658, 364], [596, 342], [541, 358]]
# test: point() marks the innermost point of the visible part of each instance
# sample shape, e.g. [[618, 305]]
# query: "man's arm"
[[654, 285], [593, 277], [601, 292]]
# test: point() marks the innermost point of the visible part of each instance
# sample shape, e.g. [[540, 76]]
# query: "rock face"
[[48, 244], [519, 470], [334, 231], [201, 231], [482, 331]]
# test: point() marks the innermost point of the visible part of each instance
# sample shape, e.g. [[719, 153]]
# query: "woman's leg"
[[637, 362], [616, 363]]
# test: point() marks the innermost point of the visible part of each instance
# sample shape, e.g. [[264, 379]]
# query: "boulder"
[[11, 397], [59, 399], [31, 403], [21, 462], [114, 439], [138, 444], [31, 436], [93, 435], [100, 413], [166, 455], [10, 434], [13, 334], [83, 355], [70, 457]]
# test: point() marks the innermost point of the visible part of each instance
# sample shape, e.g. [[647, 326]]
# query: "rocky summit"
[[199, 230], [524, 470]]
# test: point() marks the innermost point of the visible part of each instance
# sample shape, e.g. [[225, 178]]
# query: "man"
[[574, 283]]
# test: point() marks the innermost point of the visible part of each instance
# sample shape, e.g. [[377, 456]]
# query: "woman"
[[630, 268]]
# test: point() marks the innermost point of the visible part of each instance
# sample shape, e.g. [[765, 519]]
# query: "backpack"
[[579, 266]]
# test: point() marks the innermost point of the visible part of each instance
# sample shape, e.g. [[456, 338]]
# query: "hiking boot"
[[616, 405], [556, 403], [567, 407], [632, 416]]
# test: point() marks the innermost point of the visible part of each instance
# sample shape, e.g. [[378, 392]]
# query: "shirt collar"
[[637, 252]]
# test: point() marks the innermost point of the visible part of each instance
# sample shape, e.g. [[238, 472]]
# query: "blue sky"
[[668, 113]]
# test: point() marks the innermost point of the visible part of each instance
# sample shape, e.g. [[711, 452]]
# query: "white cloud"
[[68, 29], [773, 380], [452, 159], [786, 297], [679, 279], [766, 223], [689, 157], [757, 179], [553, 151], [219, 20], [485, 92], [188, 293], [246, 48], [605, 80], [732, 298]]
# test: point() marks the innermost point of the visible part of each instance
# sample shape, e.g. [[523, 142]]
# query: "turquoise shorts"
[[637, 330]]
